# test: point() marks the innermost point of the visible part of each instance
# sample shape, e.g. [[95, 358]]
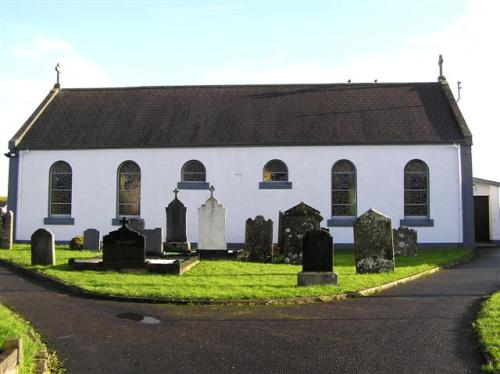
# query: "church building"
[[88, 157]]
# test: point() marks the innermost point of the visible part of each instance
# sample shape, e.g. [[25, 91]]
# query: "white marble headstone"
[[212, 225]]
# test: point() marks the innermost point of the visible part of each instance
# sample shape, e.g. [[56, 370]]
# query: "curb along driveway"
[[420, 327]]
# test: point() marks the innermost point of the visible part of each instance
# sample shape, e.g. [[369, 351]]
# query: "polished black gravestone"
[[124, 246], [294, 224], [317, 261], [176, 226]]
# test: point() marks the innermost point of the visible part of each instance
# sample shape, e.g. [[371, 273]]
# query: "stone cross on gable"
[[58, 72], [440, 63], [176, 191], [212, 189]]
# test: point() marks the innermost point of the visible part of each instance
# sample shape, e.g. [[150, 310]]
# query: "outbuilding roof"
[[244, 115]]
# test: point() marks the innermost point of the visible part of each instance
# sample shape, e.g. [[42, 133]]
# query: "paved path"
[[420, 327]]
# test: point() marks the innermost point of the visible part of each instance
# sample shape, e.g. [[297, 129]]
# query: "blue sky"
[[129, 43]]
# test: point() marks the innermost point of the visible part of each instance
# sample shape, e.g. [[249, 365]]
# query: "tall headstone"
[[317, 262], [176, 225], [405, 241], [43, 248], [374, 250], [259, 239], [123, 246], [296, 222], [6, 229], [154, 241], [212, 224], [92, 239]]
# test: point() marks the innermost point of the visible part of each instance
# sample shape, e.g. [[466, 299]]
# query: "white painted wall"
[[236, 173], [492, 191]]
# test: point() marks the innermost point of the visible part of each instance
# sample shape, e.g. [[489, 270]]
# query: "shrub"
[[76, 243]]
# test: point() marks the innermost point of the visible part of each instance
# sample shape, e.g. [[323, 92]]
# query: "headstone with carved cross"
[[124, 247], [176, 225], [212, 224]]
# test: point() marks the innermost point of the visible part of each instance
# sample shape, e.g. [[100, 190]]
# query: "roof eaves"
[[21, 133], [464, 129], [486, 181]]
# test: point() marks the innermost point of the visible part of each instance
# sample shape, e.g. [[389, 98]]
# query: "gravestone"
[[154, 241], [6, 229], [92, 239], [123, 246], [176, 225], [43, 248], [374, 250], [295, 223], [136, 224], [259, 239], [212, 224], [317, 261], [405, 241]]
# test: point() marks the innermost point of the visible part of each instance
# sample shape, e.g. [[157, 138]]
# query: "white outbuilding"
[[486, 211], [89, 156]]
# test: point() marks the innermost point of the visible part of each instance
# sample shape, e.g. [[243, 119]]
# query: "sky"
[[143, 43]]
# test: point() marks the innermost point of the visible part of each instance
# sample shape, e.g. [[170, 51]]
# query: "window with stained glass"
[[416, 189], [275, 171], [344, 189], [193, 171], [60, 189], [129, 189]]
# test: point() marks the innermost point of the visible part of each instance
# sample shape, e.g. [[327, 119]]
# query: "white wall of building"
[[236, 172], [492, 191]]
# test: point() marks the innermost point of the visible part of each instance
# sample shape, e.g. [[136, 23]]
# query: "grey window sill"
[[118, 221], [58, 221], [341, 222], [275, 185], [417, 222], [193, 185]]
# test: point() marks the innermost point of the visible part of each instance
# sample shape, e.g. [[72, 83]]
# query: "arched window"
[[416, 189], [129, 189], [275, 171], [343, 189], [193, 171], [60, 189]]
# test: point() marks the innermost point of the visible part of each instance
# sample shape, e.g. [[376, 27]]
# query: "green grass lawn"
[[13, 326], [488, 327], [228, 280]]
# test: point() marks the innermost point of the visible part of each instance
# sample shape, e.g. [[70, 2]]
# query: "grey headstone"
[[373, 244], [296, 222], [43, 248], [136, 224], [176, 221], [123, 246], [212, 224], [405, 241], [154, 240], [259, 239], [6, 229], [92, 239]]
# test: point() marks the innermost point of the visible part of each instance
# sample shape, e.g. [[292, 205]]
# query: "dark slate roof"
[[261, 115]]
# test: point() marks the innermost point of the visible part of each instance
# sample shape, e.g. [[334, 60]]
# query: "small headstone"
[[405, 241], [43, 248], [259, 239], [374, 250], [176, 225], [92, 239], [123, 246], [136, 224], [212, 224], [295, 223], [317, 262], [154, 240], [6, 229]]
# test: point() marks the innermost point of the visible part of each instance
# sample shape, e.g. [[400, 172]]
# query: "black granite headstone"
[[176, 220], [123, 246], [318, 251]]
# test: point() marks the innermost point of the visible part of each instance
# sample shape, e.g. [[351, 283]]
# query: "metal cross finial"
[[124, 221], [440, 63], [58, 71], [212, 189], [176, 191]]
